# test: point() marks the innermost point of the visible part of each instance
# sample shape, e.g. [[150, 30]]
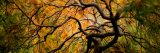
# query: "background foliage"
[[78, 26]]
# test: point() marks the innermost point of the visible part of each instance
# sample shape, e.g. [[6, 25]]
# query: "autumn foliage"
[[79, 26]]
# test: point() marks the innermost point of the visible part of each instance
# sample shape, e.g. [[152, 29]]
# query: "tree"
[[79, 26]]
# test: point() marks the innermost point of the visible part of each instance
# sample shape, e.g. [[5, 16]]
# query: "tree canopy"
[[79, 26]]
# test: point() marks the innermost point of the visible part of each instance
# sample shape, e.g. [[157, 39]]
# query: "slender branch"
[[97, 7], [80, 26], [61, 45], [101, 35], [109, 8]]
